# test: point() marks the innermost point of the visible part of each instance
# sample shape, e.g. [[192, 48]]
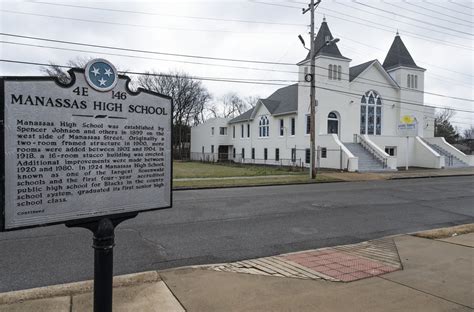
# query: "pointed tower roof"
[[324, 34], [398, 55]]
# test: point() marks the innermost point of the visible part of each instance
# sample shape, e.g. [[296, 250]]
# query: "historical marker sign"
[[91, 148]]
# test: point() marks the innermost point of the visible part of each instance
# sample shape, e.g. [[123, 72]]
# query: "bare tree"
[[55, 70], [189, 99], [468, 134], [231, 105], [251, 100], [443, 126]]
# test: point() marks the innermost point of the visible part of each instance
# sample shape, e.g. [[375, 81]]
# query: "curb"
[[187, 188], [75, 288], [432, 176]]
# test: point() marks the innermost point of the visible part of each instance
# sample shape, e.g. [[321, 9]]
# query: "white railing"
[[373, 151]]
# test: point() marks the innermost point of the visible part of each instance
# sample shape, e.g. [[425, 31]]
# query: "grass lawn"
[[207, 170], [227, 175]]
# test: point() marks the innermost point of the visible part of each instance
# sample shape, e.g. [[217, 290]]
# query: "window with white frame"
[[307, 155], [334, 72], [233, 132], [412, 81], [212, 130], [242, 130], [248, 130], [243, 153], [223, 130], [391, 150], [282, 127], [263, 127], [371, 113], [277, 154], [293, 126], [265, 153]]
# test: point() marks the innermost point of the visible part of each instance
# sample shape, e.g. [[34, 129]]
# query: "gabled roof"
[[398, 55], [282, 101], [288, 98], [270, 105], [355, 71], [243, 117], [320, 44]]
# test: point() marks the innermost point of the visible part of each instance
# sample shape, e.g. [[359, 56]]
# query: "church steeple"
[[398, 55], [324, 35]]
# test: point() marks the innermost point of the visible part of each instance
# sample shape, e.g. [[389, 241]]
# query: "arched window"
[[333, 123], [371, 113], [339, 72], [330, 71], [263, 127]]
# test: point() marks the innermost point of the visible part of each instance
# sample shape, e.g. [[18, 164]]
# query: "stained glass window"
[[378, 120], [263, 126], [363, 116], [371, 114]]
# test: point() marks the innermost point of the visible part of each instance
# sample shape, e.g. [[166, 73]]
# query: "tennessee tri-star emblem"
[[101, 75]]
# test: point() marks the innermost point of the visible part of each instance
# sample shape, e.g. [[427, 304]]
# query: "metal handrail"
[[360, 139]]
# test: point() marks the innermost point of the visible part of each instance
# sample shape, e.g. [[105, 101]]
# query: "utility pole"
[[312, 95]]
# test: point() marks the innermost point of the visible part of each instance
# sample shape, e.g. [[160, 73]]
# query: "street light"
[[312, 95]]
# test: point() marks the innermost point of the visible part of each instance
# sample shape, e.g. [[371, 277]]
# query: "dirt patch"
[[446, 232]]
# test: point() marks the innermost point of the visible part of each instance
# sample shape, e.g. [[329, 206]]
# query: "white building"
[[358, 112]]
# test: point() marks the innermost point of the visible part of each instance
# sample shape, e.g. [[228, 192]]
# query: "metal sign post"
[[103, 244], [408, 127]]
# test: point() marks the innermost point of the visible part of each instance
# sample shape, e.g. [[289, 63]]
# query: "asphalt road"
[[211, 226]]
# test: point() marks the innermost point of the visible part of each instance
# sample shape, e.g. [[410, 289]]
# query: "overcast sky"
[[438, 34]]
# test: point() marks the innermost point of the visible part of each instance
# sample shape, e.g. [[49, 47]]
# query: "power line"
[[428, 15], [145, 57], [372, 23], [377, 83], [438, 12], [412, 18], [137, 25], [424, 37], [242, 80], [169, 15], [446, 8], [373, 47], [275, 4], [406, 32], [461, 5], [144, 51]]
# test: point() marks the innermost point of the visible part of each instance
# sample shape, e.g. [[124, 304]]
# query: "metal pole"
[[406, 156], [312, 100], [103, 244]]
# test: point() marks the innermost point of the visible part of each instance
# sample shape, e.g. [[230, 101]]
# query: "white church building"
[[359, 110]]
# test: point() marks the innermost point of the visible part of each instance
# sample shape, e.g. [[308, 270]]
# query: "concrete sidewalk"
[[433, 275]]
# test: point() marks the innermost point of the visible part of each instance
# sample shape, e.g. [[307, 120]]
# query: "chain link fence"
[[292, 164]]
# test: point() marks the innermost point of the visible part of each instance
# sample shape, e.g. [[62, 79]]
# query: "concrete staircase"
[[450, 160], [367, 162]]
